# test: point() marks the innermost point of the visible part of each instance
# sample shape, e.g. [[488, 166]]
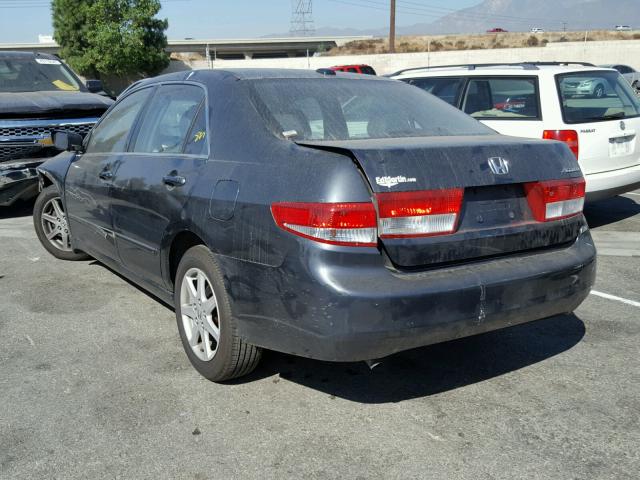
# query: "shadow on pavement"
[[429, 370], [18, 209], [609, 211]]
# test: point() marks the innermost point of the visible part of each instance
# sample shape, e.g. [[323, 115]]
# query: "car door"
[[153, 180], [89, 179]]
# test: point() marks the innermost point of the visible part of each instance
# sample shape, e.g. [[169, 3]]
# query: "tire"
[[598, 92], [50, 223], [202, 308]]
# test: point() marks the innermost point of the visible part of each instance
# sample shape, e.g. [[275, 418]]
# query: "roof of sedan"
[[255, 74], [12, 54]]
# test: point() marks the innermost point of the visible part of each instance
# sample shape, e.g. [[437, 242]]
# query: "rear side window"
[[111, 134], [342, 109], [169, 119], [197, 141], [445, 88], [513, 98], [367, 70], [596, 96]]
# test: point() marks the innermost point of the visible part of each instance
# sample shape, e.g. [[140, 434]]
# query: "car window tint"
[[198, 140], [168, 119], [446, 89], [343, 109], [367, 70], [502, 98], [595, 96], [111, 134]]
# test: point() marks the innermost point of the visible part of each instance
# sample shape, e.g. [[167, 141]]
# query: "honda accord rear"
[[331, 217]]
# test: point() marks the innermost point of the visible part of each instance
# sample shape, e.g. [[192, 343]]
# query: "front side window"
[[445, 88], [343, 109], [38, 74], [111, 134], [510, 98], [596, 96], [169, 119]]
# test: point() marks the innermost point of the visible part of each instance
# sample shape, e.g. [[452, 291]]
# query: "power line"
[[428, 12]]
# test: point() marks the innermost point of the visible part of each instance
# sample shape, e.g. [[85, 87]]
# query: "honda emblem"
[[499, 165]]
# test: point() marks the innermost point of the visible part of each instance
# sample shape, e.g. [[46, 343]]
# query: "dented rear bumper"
[[341, 306]]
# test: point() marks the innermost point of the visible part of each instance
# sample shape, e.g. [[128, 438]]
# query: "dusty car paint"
[[312, 299]]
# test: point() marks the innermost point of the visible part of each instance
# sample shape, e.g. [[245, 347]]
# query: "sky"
[[22, 20]]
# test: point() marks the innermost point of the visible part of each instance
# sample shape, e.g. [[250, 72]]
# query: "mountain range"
[[516, 15]]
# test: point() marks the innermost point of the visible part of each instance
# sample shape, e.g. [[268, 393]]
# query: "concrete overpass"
[[227, 49]]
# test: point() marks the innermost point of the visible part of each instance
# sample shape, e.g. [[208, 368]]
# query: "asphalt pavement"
[[94, 384]]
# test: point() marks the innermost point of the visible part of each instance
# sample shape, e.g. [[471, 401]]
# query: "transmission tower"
[[301, 18]]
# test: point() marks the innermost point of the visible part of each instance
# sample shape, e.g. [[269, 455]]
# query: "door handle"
[[106, 175], [174, 180]]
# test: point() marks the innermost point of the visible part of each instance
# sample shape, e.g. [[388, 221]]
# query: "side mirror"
[[94, 86], [67, 141]]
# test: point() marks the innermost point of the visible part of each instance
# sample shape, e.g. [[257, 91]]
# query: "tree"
[[107, 38]]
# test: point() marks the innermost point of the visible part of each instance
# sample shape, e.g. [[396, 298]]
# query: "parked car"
[[497, 30], [335, 217], [592, 109], [623, 28], [537, 30], [39, 95], [363, 69], [630, 73]]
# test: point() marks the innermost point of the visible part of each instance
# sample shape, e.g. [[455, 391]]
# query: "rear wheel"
[[203, 313], [52, 228]]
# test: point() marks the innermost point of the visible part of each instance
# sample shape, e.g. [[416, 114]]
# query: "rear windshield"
[[596, 96], [347, 109], [35, 75]]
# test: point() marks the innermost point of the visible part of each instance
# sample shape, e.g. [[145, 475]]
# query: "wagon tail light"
[[399, 215], [555, 199], [570, 137]]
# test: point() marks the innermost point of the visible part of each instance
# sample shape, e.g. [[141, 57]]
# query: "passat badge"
[[499, 165], [393, 181]]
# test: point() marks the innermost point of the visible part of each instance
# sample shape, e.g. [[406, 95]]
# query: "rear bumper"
[[19, 180], [332, 307], [609, 184]]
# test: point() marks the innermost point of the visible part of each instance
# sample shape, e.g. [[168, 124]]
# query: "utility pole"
[[564, 26], [392, 27]]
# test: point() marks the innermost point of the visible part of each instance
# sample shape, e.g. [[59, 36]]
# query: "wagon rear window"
[[345, 109], [596, 96]]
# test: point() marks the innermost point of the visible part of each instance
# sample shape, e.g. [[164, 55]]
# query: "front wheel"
[[203, 313], [52, 228]]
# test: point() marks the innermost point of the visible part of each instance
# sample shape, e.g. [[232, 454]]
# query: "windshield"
[[34, 75], [347, 109], [596, 96]]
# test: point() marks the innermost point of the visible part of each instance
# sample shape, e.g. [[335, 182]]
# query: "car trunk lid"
[[491, 170]]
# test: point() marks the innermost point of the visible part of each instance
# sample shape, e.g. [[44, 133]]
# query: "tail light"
[[570, 137], [555, 199], [400, 214], [351, 224], [418, 214]]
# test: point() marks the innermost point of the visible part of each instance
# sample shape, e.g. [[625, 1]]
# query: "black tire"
[[46, 196], [598, 92], [233, 357]]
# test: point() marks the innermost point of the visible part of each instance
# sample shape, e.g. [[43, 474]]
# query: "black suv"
[[39, 95]]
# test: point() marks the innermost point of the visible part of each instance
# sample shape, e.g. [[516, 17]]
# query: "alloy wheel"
[[199, 312], [55, 226]]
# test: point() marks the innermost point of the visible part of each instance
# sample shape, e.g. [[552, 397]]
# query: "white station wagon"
[[593, 110]]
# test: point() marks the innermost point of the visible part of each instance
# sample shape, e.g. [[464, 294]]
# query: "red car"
[[364, 69], [497, 30]]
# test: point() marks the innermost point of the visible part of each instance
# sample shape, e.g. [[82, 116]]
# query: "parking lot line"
[[618, 299], [631, 193]]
